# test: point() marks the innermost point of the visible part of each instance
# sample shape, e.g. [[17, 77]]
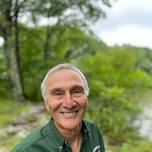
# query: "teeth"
[[69, 114]]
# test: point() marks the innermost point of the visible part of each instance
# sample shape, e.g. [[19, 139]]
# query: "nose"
[[69, 102]]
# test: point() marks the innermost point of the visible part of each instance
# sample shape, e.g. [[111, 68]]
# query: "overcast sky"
[[127, 22]]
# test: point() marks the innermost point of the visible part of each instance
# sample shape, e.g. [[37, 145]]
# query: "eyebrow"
[[55, 89], [77, 87]]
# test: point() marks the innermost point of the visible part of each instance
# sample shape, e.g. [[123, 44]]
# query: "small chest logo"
[[96, 149]]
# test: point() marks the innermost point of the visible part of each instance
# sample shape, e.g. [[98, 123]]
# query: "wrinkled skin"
[[67, 111]]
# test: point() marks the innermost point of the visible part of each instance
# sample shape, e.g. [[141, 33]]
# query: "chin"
[[71, 125], [70, 122]]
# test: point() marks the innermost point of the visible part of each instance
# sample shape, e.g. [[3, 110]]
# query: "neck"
[[73, 136]]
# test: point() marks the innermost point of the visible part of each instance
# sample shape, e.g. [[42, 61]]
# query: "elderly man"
[[65, 92]]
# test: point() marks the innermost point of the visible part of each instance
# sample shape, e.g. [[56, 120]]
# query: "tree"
[[6, 26], [11, 11], [65, 44]]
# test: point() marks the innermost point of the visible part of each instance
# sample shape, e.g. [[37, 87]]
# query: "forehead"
[[64, 77]]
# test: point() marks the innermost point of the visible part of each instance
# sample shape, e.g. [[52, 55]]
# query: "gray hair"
[[60, 67]]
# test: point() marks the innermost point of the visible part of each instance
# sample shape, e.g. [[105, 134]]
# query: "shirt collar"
[[52, 132], [85, 130]]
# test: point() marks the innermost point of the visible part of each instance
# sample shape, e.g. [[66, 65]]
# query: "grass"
[[142, 145], [9, 142], [10, 110]]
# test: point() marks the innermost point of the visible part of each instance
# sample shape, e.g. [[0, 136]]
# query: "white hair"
[[60, 67]]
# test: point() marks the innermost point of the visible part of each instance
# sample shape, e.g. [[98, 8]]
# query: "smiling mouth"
[[69, 114]]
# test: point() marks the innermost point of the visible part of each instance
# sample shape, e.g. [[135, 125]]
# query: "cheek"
[[83, 102], [52, 105]]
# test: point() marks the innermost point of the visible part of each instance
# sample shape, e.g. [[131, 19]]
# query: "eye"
[[77, 91], [57, 92]]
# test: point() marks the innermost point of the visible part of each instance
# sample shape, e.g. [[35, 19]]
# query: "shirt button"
[[65, 142], [60, 149]]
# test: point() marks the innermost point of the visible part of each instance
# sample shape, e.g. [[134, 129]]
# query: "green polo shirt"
[[48, 139]]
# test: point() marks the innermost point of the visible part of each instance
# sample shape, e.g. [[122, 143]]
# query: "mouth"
[[70, 114]]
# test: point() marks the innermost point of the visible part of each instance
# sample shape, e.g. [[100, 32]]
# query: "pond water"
[[144, 121]]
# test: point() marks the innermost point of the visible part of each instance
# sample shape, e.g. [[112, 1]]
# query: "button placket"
[[60, 149], [65, 142]]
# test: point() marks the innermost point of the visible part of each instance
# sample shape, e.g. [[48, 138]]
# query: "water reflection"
[[144, 121]]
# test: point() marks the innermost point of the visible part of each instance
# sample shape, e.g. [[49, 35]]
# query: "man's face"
[[65, 99]]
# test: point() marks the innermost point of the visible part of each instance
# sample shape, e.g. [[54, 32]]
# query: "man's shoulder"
[[95, 136], [92, 128], [34, 137], [90, 124]]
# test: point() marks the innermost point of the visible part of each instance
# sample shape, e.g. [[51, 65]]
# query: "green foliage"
[[114, 113], [139, 146], [111, 73], [70, 41], [56, 12], [4, 89], [118, 66], [73, 42], [66, 10], [145, 62]]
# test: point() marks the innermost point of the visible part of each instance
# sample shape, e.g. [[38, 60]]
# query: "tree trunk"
[[6, 31], [12, 66], [17, 46], [46, 43], [49, 31]]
